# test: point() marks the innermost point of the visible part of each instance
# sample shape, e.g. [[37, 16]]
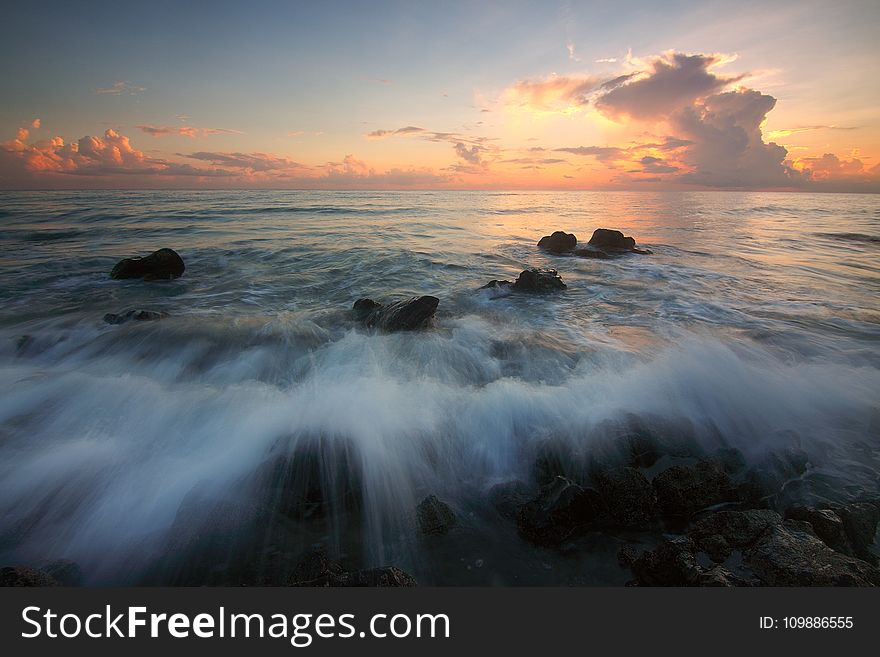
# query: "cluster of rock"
[[604, 243], [531, 280], [61, 572], [717, 506]]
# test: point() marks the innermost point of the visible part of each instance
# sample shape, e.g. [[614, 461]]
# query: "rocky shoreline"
[[683, 516]]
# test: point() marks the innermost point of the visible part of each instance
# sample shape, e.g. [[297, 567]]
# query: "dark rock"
[[538, 280], [606, 243], [163, 264], [553, 458], [860, 524], [628, 496], [672, 563], [316, 569], [508, 497], [738, 529], [562, 510], [434, 516], [405, 315], [762, 483], [627, 556], [684, 490], [720, 576], [789, 554], [605, 238], [24, 576], [530, 280], [827, 525], [136, 315], [64, 571], [558, 242]]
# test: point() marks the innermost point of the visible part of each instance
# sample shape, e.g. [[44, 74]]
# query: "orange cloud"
[[184, 131]]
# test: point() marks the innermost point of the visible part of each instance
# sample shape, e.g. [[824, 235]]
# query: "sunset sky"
[[449, 95]]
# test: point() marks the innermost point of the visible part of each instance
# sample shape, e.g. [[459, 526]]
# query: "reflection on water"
[[754, 324]]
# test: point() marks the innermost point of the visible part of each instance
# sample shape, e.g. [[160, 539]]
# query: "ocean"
[[142, 451]]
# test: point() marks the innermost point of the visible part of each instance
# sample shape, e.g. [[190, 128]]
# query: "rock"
[[627, 556], [672, 563], [553, 458], [64, 571], [434, 516], [558, 242], [561, 511], [316, 569], [628, 496], [539, 280], [789, 554], [405, 315], [738, 529], [605, 238], [530, 280], [860, 524], [163, 264], [762, 483], [827, 525], [136, 315], [684, 490], [508, 497], [720, 576], [606, 243], [24, 576]]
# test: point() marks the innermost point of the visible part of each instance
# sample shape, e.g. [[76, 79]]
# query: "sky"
[[441, 95]]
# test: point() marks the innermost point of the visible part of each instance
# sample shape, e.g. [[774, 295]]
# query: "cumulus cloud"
[[355, 173], [35, 124], [673, 81], [554, 93], [467, 154]]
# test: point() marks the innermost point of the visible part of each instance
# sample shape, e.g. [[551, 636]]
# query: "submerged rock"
[[163, 264], [434, 516], [509, 496], [405, 315], [136, 315], [24, 576], [683, 490], [531, 280], [607, 243], [316, 569], [562, 510], [558, 242]]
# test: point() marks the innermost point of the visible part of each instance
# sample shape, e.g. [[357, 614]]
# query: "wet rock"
[[827, 525], [434, 516], [684, 490], [508, 497], [530, 280], [405, 315], [163, 264], [316, 569], [64, 571], [136, 315], [561, 511], [558, 242], [24, 576], [790, 554], [720, 533], [720, 576], [672, 563], [606, 243], [627, 556], [553, 458], [538, 280], [860, 524], [628, 496]]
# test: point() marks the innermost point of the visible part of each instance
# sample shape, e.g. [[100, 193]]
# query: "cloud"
[[673, 81], [184, 131], [727, 148], [352, 172], [571, 54], [602, 153], [121, 88], [407, 130], [248, 162], [554, 93], [471, 155], [35, 124], [606, 60]]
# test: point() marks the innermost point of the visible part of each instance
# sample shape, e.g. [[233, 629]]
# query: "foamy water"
[[134, 449]]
